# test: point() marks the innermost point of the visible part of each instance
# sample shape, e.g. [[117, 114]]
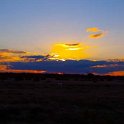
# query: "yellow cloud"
[[93, 29], [95, 33]]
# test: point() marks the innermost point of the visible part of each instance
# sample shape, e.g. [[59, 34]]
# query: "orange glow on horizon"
[[25, 71], [116, 73], [5, 68], [69, 51]]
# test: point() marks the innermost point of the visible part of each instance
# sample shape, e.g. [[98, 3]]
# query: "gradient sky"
[[35, 25]]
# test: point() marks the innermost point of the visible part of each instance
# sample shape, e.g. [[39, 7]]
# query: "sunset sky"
[[63, 29], [35, 25]]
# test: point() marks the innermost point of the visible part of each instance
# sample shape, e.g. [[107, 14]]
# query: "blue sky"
[[34, 25]]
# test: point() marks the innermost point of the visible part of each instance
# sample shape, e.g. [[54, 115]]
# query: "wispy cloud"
[[93, 29], [12, 51], [96, 36], [8, 55], [95, 33], [107, 66], [8, 58]]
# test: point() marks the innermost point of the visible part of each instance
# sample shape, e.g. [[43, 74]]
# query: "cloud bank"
[[21, 62], [69, 66]]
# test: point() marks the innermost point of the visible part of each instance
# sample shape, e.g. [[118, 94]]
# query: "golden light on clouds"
[[23, 71], [69, 51], [95, 33], [8, 55]]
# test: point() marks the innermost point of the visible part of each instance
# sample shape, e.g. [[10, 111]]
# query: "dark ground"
[[61, 99]]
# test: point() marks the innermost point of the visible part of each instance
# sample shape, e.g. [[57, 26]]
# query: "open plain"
[[61, 99]]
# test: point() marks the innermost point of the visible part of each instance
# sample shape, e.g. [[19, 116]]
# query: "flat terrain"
[[61, 99]]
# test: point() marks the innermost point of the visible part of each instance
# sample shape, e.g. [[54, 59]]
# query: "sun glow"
[[61, 51]]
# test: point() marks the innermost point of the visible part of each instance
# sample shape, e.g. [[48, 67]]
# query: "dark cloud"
[[74, 44], [96, 36], [71, 66], [37, 58]]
